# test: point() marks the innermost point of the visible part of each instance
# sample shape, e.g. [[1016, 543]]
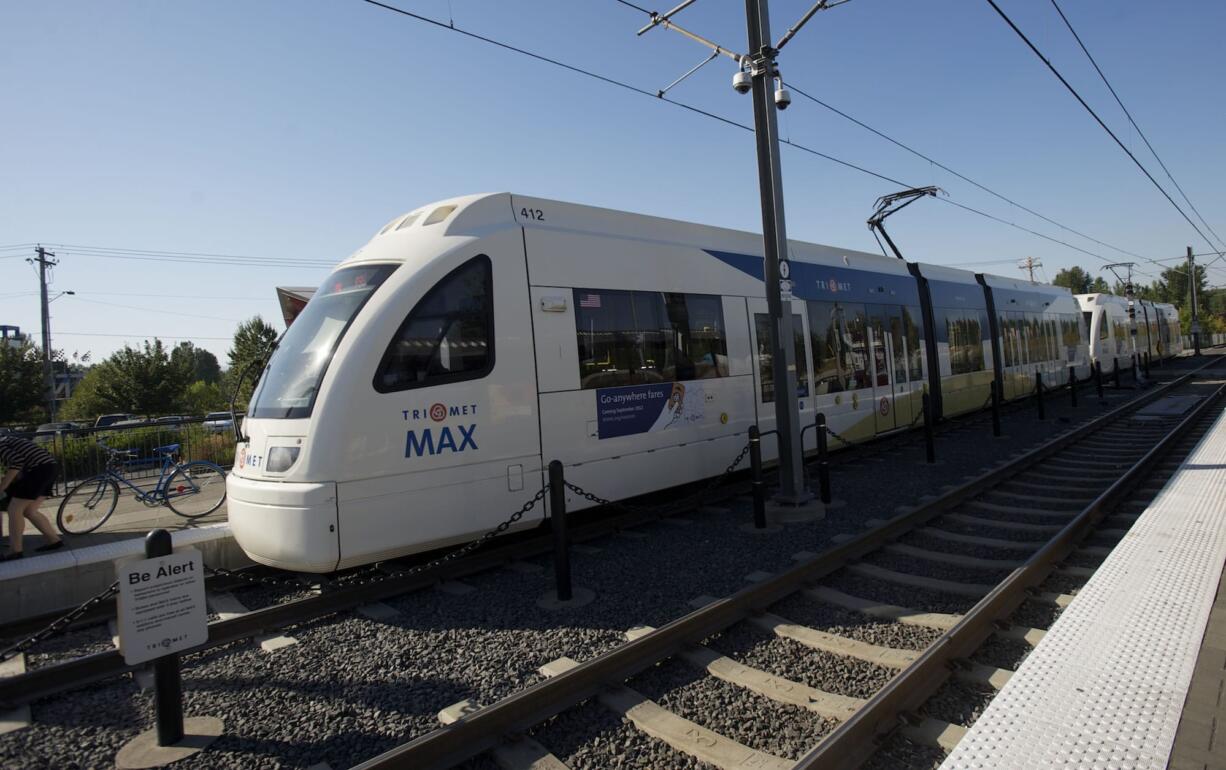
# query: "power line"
[[699, 111], [1133, 122], [141, 335], [173, 296], [961, 176], [158, 310], [1094, 114]]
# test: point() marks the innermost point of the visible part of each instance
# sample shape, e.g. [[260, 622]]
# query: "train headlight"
[[281, 458]]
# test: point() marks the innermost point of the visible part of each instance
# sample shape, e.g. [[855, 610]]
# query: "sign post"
[[161, 613]]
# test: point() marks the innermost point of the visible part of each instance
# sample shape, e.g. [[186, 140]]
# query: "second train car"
[[418, 396]]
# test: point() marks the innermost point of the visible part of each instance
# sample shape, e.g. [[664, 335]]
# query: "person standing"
[[29, 476]]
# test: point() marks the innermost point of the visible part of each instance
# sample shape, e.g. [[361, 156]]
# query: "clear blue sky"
[[295, 130]]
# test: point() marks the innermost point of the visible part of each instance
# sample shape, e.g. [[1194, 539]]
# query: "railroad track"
[[925, 606], [344, 592]]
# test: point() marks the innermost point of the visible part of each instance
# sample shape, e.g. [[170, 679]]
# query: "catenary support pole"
[[167, 683], [757, 484], [1038, 394], [996, 408], [823, 463], [561, 540], [1192, 289], [930, 449], [775, 266]]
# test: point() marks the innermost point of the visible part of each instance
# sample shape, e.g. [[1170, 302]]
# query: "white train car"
[[418, 396], [1112, 341]]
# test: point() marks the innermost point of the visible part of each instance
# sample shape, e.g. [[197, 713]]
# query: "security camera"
[[742, 82], [783, 98]]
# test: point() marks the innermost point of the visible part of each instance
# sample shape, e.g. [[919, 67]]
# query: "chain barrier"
[[671, 506], [59, 625]]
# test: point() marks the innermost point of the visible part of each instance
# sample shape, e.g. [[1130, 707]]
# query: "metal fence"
[[80, 452]]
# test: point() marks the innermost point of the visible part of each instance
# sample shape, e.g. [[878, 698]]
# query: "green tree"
[[1075, 279], [1173, 285], [252, 341], [143, 381], [202, 397], [85, 403], [1099, 286], [21, 382], [203, 364]]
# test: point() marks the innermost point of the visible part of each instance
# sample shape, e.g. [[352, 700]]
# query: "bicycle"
[[191, 490]]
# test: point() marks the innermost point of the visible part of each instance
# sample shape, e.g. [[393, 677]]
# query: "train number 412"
[[536, 214]]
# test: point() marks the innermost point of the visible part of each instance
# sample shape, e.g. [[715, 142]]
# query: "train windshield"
[[289, 385]]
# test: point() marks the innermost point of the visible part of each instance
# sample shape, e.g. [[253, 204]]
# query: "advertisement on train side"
[[632, 409]]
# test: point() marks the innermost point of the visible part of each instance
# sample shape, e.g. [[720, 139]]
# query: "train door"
[[764, 369], [889, 373]]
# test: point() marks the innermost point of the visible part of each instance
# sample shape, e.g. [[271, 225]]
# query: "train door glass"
[[889, 363], [765, 359]]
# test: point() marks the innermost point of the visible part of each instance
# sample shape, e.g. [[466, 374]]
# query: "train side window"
[[638, 337], [447, 337]]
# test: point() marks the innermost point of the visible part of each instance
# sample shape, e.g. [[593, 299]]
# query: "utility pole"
[[48, 382], [775, 268], [1029, 264], [1192, 289]]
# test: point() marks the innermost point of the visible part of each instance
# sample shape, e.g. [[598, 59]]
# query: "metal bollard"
[[1038, 394], [1115, 375], [823, 465], [167, 683], [757, 484], [929, 447], [561, 541], [1098, 378], [1072, 386], [996, 408]]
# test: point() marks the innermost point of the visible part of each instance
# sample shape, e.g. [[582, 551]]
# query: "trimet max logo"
[[834, 286], [426, 441]]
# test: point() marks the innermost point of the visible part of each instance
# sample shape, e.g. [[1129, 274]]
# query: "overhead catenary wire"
[[158, 310], [1099, 120], [1140, 133], [691, 108]]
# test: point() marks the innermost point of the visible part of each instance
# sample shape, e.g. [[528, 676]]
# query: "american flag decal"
[[589, 300]]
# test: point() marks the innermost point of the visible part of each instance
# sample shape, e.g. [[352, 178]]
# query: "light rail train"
[[1110, 329], [418, 396]]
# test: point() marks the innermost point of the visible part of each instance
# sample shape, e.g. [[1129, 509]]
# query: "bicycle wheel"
[[196, 489], [88, 505]]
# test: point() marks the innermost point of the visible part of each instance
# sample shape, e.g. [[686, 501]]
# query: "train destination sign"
[[161, 606]]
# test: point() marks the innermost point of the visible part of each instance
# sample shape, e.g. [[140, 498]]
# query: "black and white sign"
[[161, 606]]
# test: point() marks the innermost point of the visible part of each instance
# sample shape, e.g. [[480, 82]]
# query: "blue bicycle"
[[192, 490]]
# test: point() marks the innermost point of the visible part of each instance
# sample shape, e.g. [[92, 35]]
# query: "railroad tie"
[[934, 732], [1020, 509], [973, 590], [1016, 526], [994, 542], [956, 559], [776, 688], [939, 620], [227, 606], [513, 753], [1031, 636], [678, 732], [14, 719], [839, 645]]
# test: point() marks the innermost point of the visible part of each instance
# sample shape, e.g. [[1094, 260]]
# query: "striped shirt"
[[21, 454]]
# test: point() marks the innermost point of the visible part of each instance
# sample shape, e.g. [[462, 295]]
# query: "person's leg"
[[17, 523], [42, 522]]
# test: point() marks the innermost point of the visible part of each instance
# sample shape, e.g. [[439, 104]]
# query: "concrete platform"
[[63, 579], [1135, 658]]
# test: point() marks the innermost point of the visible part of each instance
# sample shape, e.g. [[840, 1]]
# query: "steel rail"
[[57, 678], [855, 740], [486, 727]]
